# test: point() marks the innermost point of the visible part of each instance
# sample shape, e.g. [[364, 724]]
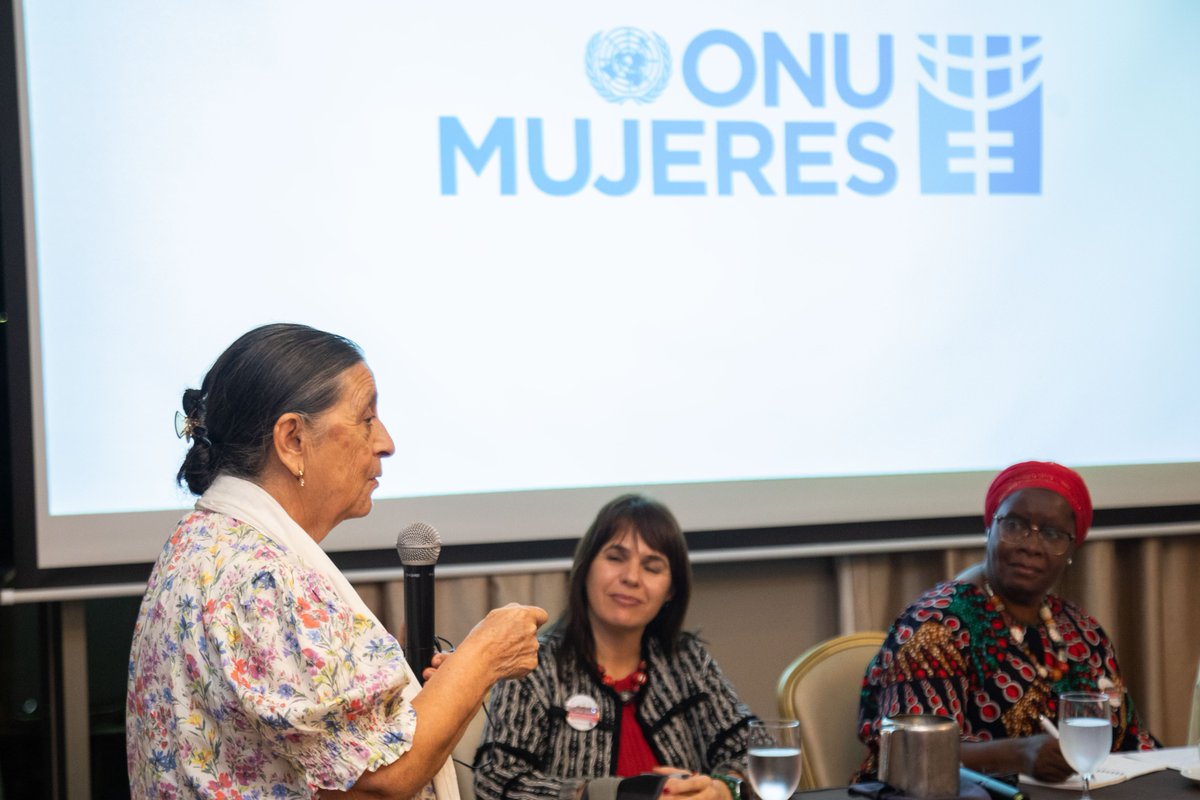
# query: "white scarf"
[[252, 504]]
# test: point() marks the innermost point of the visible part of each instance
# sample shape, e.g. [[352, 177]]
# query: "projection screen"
[[779, 264]]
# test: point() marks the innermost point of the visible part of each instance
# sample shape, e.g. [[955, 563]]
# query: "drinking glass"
[[774, 757], [1085, 732]]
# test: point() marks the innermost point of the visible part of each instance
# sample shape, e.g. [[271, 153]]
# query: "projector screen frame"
[[18, 544]]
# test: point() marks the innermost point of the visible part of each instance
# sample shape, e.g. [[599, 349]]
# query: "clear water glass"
[[1085, 732], [774, 758]]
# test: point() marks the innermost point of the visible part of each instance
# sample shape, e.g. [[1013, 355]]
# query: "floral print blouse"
[[250, 678]]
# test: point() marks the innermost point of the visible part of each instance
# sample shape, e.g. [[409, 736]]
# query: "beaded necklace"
[[629, 685], [1059, 669]]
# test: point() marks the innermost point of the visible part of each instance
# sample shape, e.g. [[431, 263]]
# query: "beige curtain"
[[759, 616]]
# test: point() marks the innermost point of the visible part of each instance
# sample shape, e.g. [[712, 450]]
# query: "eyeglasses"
[[1015, 529]]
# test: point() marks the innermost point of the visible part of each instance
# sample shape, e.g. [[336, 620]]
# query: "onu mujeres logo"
[[979, 119]]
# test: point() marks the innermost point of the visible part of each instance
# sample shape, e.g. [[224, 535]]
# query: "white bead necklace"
[[1018, 635]]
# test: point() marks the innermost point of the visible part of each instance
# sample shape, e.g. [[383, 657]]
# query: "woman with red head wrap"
[[993, 648]]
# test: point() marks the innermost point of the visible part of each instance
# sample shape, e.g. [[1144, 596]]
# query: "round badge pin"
[[583, 712]]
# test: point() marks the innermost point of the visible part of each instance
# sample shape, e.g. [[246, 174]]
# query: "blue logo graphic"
[[628, 64], [980, 104]]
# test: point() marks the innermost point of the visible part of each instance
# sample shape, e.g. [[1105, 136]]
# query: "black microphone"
[[419, 547], [998, 789]]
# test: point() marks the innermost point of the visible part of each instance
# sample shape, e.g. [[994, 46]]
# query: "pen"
[[995, 789], [1048, 726]]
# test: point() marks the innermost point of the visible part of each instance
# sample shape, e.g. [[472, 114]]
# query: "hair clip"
[[184, 426]]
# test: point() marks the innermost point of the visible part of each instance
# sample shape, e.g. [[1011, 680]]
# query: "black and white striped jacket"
[[688, 711]]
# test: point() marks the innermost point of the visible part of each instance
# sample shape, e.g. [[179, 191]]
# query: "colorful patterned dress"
[[250, 678], [951, 653]]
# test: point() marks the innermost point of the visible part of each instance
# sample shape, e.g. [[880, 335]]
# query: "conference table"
[[1163, 785]]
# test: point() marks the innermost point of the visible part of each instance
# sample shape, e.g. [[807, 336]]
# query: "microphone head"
[[419, 545]]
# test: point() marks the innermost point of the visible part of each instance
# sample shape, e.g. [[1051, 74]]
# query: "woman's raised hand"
[[434, 663], [507, 640]]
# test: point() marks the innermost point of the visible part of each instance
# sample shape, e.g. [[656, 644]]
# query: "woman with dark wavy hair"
[[256, 669], [620, 691]]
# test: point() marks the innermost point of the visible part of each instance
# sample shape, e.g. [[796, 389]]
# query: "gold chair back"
[[1194, 724], [821, 689]]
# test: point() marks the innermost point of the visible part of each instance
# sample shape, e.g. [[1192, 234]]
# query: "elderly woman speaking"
[[993, 648], [256, 669]]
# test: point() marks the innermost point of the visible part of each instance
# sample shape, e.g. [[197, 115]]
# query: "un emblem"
[[628, 64]]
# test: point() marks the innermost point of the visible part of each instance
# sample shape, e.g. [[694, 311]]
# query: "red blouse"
[[634, 755]]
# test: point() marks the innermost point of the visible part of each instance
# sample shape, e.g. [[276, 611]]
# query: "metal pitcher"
[[918, 754]]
